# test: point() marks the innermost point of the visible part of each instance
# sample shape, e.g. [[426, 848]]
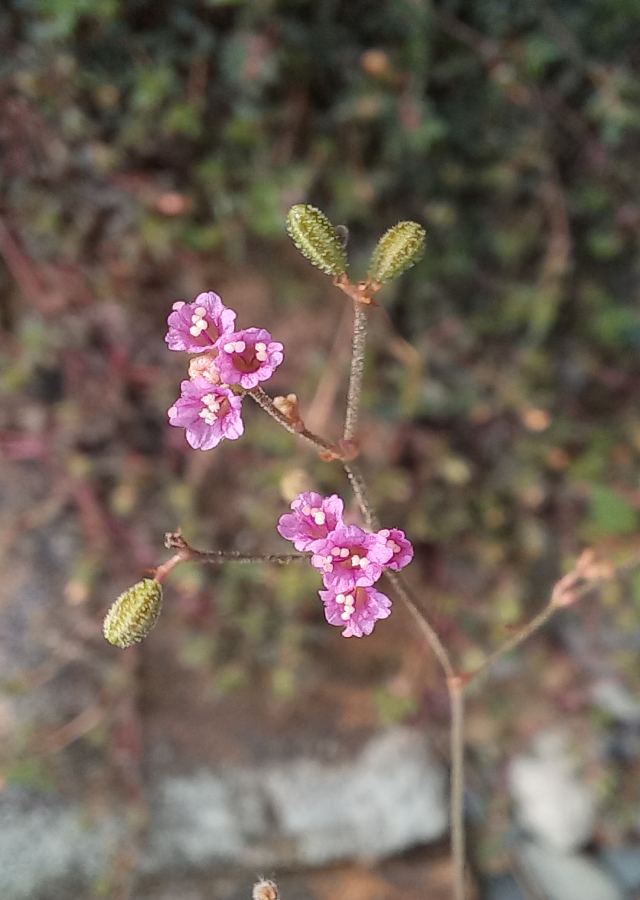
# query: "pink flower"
[[248, 357], [400, 547], [208, 412], [349, 557], [197, 326], [358, 609], [313, 518]]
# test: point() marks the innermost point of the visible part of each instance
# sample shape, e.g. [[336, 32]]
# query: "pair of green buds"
[[317, 239]]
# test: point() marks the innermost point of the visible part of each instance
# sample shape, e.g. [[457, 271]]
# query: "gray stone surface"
[[552, 803], [391, 796], [624, 864], [48, 848], [567, 876], [502, 887], [614, 698]]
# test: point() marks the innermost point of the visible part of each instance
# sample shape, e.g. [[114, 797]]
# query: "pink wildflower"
[[358, 609], [400, 547], [248, 357], [349, 557], [208, 412], [197, 326], [313, 518]]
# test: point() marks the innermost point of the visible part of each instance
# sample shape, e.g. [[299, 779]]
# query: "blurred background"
[[149, 150]]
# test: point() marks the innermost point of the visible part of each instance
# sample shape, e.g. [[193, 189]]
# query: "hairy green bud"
[[397, 250], [132, 616], [317, 239]]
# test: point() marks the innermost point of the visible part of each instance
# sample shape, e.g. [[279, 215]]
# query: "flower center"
[[348, 558], [318, 518], [200, 326], [349, 602], [247, 358], [213, 408]]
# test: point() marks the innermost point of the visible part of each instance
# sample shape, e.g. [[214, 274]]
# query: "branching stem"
[[265, 401]]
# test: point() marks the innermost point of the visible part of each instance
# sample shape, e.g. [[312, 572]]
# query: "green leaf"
[[610, 513]]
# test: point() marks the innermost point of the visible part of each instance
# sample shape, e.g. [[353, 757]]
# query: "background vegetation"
[[151, 148]]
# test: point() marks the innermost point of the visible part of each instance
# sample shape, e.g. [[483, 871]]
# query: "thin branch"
[[357, 364], [173, 540], [359, 488], [264, 400], [580, 581], [431, 636]]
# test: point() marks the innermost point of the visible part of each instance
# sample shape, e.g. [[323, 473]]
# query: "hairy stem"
[[361, 493], [357, 363]]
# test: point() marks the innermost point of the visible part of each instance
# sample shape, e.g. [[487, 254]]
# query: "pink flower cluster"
[[349, 559], [208, 408]]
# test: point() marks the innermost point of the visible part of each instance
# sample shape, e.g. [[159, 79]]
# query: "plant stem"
[[361, 493], [173, 540], [357, 363], [431, 636], [520, 636], [455, 687], [265, 401]]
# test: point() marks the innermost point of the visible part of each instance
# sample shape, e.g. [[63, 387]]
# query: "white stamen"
[[364, 562], [318, 516], [178, 304], [306, 510], [200, 311], [340, 598], [172, 412], [344, 553], [346, 615], [393, 546], [229, 348], [355, 561], [261, 356], [240, 346], [336, 551]]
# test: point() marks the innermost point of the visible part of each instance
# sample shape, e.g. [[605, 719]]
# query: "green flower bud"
[[398, 249], [317, 239], [133, 614]]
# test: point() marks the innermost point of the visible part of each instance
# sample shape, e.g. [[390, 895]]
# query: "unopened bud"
[[397, 250], [265, 890], [132, 616], [317, 239]]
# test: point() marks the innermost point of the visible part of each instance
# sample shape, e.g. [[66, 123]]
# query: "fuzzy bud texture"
[[349, 559], [134, 613], [317, 239], [397, 250]]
